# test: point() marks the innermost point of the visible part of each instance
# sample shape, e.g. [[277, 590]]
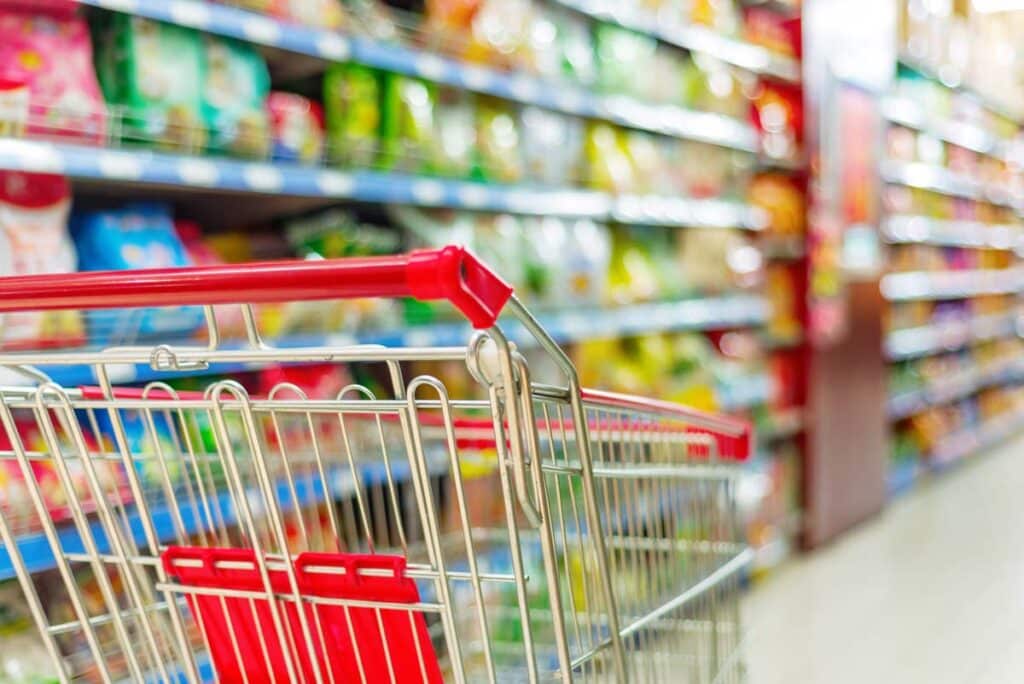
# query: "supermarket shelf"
[[968, 441], [911, 62], [783, 425], [38, 556], [947, 336], [943, 181], [952, 388], [149, 168], [905, 112], [903, 229], [930, 285], [713, 313], [516, 86], [694, 38], [902, 477], [792, 164]]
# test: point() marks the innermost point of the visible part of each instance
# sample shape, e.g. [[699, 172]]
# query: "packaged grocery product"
[[235, 91], [497, 240], [325, 14], [23, 658], [576, 44], [55, 490], [500, 32], [552, 146], [52, 8], [711, 177], [632, 274], [781, 288], [543, 244], [774, 30], [329, 235], [716, 260], [409, 133], [353, 101], [456, 132], [544, 54], [14, 108], [648, 162], [137, 236], [609, 165], [155, 72], [499, 141], [297, 127], [625, 61], [450, 15], [782, 198], [372, 18], [34, 239], [587, 259], [721, 15], [714, 86], [48, 60]]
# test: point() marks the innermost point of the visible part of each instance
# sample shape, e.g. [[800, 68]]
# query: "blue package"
[[133, 237]]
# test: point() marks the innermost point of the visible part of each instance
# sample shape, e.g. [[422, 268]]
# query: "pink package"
[[52, 56], [64, 8]]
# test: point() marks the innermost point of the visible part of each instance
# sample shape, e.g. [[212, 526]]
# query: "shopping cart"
[[217, 533]]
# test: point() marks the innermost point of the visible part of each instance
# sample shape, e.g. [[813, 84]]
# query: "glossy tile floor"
[[930, 591]]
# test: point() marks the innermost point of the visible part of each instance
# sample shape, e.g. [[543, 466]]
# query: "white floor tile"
[[931, 591]]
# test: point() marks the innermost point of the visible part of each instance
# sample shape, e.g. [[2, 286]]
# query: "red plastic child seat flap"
[[346, 643]]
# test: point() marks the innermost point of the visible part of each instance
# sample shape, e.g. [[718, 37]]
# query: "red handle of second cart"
[[450, 273]]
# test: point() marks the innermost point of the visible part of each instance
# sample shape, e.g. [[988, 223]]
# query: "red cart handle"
[[451, 273]]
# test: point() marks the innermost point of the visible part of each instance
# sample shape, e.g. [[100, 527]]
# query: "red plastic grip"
[[450, 273], [347, 643]]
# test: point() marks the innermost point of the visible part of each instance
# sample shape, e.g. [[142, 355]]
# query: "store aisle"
[[932, 591]]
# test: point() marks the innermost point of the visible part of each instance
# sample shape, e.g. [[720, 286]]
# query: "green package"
[[153, 73], [410, 141], [625, 60], [235, 91], [498, 137], [353, 98]]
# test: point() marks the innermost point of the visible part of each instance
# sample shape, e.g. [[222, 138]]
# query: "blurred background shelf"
[[950, 335], [209, 175], [928, 285], [904, 229], [522, 87], [696, 38], [925, 176]]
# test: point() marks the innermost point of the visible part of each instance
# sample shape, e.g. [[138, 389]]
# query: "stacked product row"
[[951, 218]]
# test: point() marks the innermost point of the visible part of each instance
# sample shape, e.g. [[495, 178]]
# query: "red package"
[[51, 56], [297, 125]]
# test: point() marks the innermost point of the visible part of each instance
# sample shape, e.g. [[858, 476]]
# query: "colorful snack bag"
[[297, 127], [353, 101], [409, 131], [51, 58], [34, 239], [138, 236], [234, 94], [155, 72]]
